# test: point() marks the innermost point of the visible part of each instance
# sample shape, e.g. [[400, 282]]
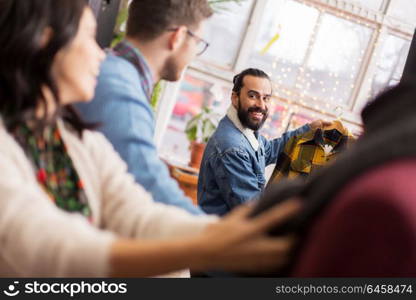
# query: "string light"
[[306, 88]]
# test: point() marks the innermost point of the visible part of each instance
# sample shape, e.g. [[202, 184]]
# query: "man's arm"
[[274, 147], [127, 121], [236, 178]]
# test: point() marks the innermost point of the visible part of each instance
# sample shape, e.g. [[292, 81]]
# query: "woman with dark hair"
[[68, 207]]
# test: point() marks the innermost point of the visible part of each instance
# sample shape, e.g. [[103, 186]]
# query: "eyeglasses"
[[201, 43]]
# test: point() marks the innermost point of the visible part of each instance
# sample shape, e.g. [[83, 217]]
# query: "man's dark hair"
[[150, 18], [239, 78]]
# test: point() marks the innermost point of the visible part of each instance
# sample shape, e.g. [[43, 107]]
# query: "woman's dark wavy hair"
[[26, 64]]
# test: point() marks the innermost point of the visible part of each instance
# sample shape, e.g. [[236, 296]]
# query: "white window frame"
[[378, 20]]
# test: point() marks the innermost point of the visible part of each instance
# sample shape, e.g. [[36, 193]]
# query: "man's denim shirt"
[[122, 106], [232, 172]]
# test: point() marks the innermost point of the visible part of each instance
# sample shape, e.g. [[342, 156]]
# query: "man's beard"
[[171, 71], [244, 116]]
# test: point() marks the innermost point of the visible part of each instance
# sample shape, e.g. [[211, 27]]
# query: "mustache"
[[257, 110]]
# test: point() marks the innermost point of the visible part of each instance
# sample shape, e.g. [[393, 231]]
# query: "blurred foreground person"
[[68, 207], [359, 213]]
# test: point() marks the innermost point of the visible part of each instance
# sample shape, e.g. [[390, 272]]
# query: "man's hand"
[[319, 124]]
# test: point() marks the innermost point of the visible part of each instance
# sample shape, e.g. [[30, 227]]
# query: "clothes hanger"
[[335, 125]]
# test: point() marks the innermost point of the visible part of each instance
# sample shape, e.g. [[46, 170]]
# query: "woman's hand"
[[238, 243], [235, 243]]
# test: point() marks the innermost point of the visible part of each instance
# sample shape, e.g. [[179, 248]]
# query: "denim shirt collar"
[[247, 132], [132, 54]]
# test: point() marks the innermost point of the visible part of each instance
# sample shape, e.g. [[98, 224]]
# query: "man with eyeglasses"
[[162, 39]]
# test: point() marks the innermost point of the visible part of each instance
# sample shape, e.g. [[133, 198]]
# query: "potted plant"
[[198, 130]]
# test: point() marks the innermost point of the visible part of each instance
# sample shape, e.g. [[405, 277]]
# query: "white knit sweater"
[[38, 239]]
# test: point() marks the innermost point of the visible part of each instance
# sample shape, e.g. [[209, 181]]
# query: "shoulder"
[[117, 72], [94, 138], [90, 145], [97, 144], [119, 80], [227, 138], [113, 64]]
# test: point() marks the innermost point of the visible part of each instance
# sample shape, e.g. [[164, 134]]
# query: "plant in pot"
[[198, 130]]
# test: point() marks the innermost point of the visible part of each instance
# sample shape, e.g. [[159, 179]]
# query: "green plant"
[[119, 29], [202, 126], [157, 91]]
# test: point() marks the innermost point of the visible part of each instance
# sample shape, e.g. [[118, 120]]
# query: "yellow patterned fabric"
[[310, 151]]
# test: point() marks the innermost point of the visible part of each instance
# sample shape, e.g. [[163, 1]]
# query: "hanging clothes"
[[310, 151]]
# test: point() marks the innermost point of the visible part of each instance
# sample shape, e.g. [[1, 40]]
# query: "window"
[[292, 24], [372, 4], [390, 63], [195, 93], [404, 10], [317, 54], [297, 120], [275, 124], [225, 31], [336, 59]]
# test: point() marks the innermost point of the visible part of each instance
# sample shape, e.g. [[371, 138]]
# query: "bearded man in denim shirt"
[[233, 165]]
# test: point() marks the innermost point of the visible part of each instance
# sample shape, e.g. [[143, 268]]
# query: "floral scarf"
[[54, 169]]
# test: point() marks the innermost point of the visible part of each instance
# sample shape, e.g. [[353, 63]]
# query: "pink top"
[[369, 230]]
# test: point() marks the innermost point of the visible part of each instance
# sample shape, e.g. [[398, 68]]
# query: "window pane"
[[292, 22], [404, 10], [373, 4], [225, 31], [275, 123], [335, 59], [297, 120], [193, 95], [390, 63]]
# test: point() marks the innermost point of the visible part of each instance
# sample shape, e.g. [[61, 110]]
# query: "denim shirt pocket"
[[261, 180], [260, 165], [261, 157]]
